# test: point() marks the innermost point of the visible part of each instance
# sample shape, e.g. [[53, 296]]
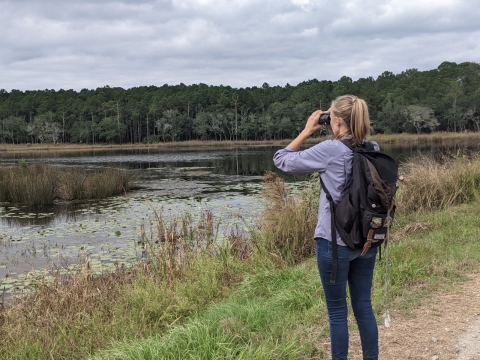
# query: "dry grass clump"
[[416, 226], [240, 244], [409, 229], [438, 184], [170, 246], [39, 185], [289, 220], [61, 311]]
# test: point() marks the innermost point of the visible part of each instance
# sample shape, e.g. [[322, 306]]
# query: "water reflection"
[[246, 163], [47, 216]]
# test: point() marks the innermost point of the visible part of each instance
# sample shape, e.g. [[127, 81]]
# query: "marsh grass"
[[29, 185], [439, 184], [39, 185], [289, 220], [405, 138], [78, 185], [170, 246], [438, 137]]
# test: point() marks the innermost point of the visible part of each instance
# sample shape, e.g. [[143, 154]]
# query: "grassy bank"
[[440, 137], [279, 313], [38, 184], [257, 297]]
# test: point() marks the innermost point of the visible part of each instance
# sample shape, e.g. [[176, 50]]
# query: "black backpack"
[[365, 212]]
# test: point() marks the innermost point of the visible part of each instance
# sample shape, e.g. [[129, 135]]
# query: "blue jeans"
[[358, 272]]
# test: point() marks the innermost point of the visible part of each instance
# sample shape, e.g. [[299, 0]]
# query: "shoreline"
[[194, 144]]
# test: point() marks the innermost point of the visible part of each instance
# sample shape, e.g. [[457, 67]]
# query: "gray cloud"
[[77, 44]]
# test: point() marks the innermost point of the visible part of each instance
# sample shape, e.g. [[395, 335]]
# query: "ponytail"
[[354, 113]]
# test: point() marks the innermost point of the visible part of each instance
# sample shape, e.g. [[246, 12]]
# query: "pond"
[[226, 182]]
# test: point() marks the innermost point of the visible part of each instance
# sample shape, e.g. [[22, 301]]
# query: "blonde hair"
[[354, 113]]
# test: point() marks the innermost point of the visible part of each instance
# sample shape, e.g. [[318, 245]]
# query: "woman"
[[333, 160]]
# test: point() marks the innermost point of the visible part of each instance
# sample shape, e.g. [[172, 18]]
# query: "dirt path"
[[448, 327]]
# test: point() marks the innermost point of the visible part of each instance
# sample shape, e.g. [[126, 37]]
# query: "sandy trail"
[[446, 327]]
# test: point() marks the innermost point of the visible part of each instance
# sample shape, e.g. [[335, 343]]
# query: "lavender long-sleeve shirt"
[[333, 160]]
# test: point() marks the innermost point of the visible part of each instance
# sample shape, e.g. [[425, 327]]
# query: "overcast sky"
[[75, 44]]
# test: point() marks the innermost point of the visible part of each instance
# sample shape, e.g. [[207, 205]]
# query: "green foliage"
[[420, 117], [14, 129], [258, 321], [201, 112], [429, 252], [22, 163]]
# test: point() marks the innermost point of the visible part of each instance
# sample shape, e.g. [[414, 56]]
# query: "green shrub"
[[22, 163]]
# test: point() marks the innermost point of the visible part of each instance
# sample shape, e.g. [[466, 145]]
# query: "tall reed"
[[33, 185], [38, 184], [289, 219], [170, 245]]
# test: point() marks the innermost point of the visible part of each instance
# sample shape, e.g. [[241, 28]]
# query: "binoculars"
[[324, 119]]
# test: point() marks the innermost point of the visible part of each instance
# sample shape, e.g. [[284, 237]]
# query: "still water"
[[225, 182]]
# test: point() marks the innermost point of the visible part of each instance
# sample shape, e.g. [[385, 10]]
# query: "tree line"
[[443, 99]]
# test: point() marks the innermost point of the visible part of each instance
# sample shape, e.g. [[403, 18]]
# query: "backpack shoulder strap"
[[348, 143], [366, 145], [333, 233]]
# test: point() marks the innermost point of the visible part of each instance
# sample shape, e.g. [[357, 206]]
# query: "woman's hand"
[[312, 124], [310, 127]]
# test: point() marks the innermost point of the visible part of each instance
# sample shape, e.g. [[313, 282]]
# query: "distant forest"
[[443, 99]]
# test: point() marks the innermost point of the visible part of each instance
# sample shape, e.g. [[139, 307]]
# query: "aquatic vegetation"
[[40, 185], [133, 266], [108, 228]]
